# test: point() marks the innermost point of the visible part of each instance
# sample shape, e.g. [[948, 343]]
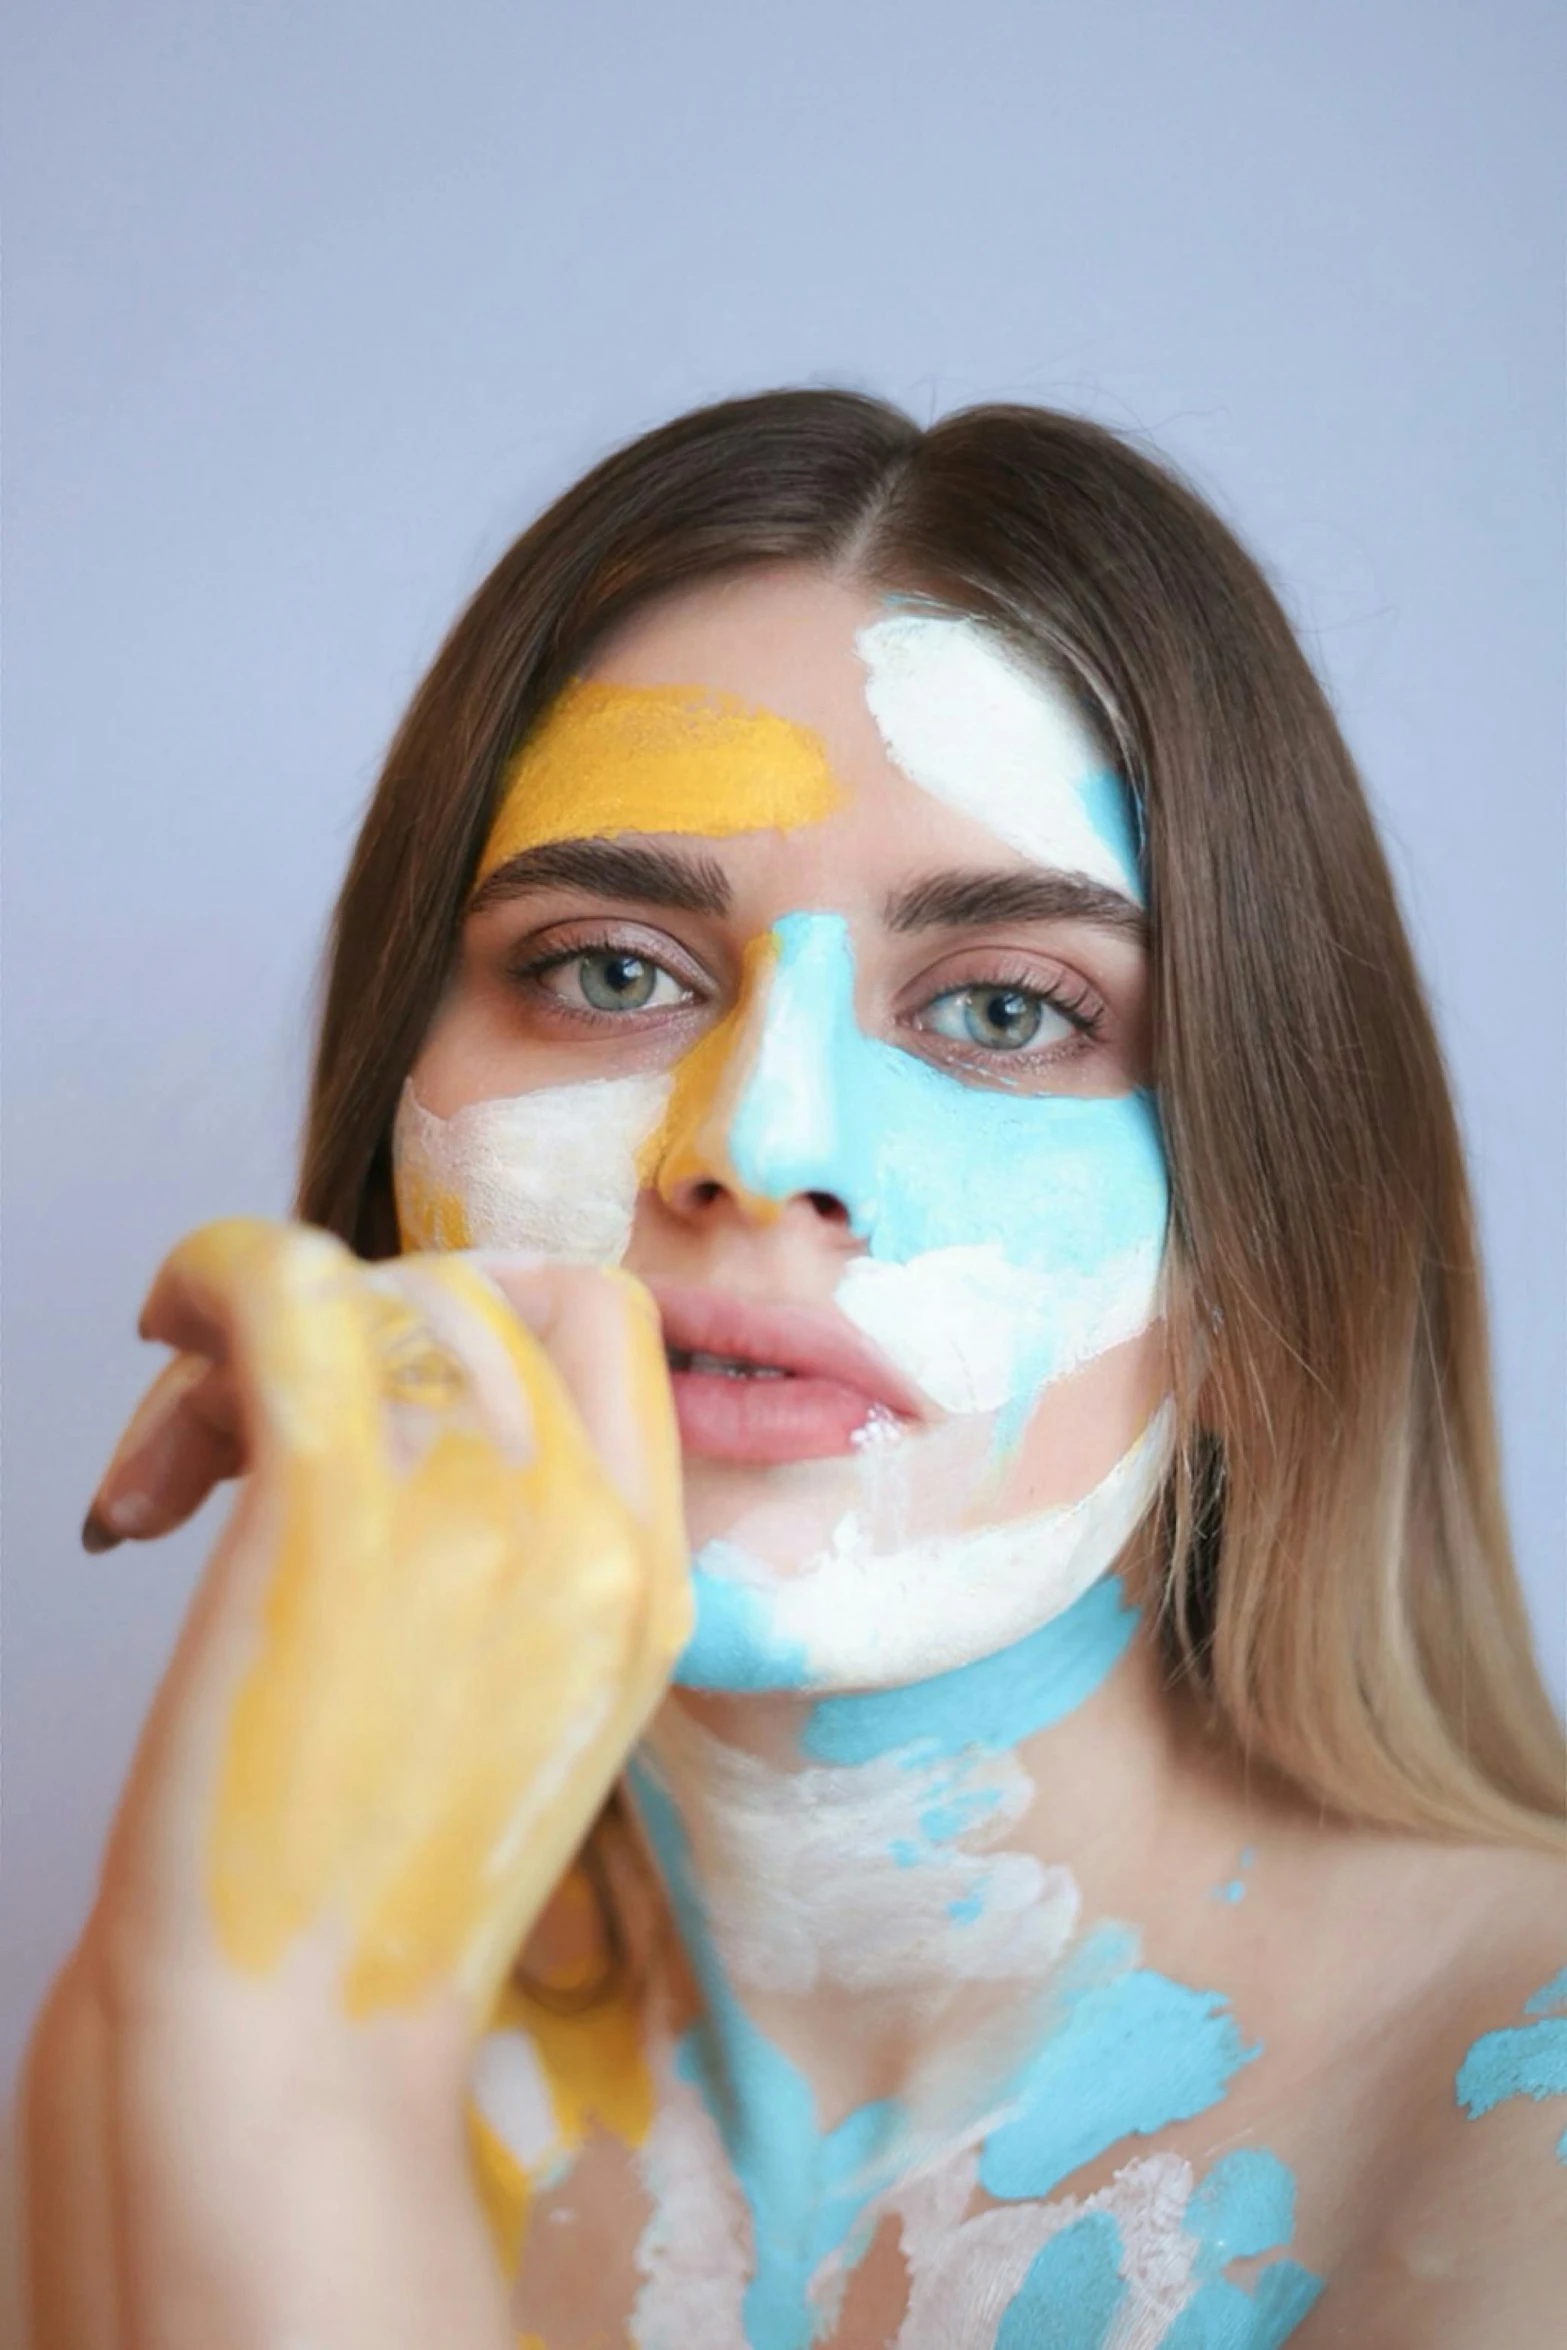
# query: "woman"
[[1072, 1860]]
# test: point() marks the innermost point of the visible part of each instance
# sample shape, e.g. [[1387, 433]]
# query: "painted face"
[[805, 977]]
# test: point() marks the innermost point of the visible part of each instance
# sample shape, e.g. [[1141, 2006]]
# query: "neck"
[[885, 1886]]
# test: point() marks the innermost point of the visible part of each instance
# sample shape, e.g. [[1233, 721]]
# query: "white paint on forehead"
[[965, 719], [961, 1322], [830, 1873], [554, 1170], [864, 1620]]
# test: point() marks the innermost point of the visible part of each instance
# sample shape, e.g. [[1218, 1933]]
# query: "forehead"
[[784, 700]]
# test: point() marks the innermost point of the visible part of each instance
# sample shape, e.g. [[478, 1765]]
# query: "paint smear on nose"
[[672, 758], [964, 718]]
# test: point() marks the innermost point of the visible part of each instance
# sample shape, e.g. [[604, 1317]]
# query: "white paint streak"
[[830, 1874], [963, 2272], [553, 1170], [694, 2254], [963, 717], [512, 2096], [869, 1620], [964, 1323]]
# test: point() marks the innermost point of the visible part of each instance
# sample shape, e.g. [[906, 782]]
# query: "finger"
[[602, 1331], [180, 1440]]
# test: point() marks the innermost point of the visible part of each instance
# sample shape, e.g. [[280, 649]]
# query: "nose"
[[768, 1109]]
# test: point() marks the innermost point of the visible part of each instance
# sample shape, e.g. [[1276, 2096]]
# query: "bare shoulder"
[[1470, 2245]]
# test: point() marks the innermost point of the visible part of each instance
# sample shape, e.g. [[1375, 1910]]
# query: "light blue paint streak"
[[1244, 2207], [735, 1644], [806, 2190], [1235, 1889], [1071, 2292], [1522, 2060], [1064, 1185], [1128, 2052], [992, 1703]]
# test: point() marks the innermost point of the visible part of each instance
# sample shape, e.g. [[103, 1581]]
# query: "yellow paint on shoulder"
[[670, 758]]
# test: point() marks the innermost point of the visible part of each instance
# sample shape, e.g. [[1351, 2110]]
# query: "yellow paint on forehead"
[[658, 758]]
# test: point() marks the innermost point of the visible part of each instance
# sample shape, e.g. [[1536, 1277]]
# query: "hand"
[[451, 1592]]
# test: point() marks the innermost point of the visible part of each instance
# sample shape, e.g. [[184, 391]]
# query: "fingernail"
[[109, 1522]]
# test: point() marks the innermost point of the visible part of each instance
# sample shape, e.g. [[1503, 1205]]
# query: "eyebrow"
[[972, 901], [608, 869], [698, 885]]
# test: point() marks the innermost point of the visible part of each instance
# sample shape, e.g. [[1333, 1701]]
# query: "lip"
[[834, 1383]]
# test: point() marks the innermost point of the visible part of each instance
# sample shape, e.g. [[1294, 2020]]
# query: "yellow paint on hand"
[[668, 758], [452, 1655]]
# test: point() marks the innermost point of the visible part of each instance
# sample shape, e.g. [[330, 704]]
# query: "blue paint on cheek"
[[806, 2190], [1129, 2053], [1524, 2060], [1066, 1187], [734, 1643], [1071, 2292], [992, 1703]]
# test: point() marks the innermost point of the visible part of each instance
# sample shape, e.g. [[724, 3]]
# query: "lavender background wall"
[[308, 309]]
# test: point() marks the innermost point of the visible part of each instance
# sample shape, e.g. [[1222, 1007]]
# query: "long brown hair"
[[1337, 1579]]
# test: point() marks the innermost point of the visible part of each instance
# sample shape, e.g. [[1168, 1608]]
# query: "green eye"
[[615, 982], [998, 1019]]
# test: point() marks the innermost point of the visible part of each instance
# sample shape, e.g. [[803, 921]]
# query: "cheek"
[[1014, 1241], [554, 1172]]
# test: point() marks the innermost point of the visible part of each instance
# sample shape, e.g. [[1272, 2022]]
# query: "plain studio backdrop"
[[310, 309]]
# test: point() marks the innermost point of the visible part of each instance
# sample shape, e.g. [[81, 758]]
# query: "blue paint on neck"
[[734, 1642], [994, 1702], [1523, 2060], [806, 2189]]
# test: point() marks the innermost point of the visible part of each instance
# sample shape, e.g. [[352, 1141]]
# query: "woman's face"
[[806, 978]]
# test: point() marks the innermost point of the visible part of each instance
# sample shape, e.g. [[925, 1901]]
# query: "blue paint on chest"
[[1128, 2052], [1075, 2288], [993, 1703], [1071, 2292], [1522, 2060]]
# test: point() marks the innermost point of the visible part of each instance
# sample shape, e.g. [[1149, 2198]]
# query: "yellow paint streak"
[[691, 1140], [668, 758], [449, 1658], [427, 1216], [501, 2184], [593, 2065]]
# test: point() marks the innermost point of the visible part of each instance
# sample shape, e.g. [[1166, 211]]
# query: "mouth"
[[765, 1383]]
